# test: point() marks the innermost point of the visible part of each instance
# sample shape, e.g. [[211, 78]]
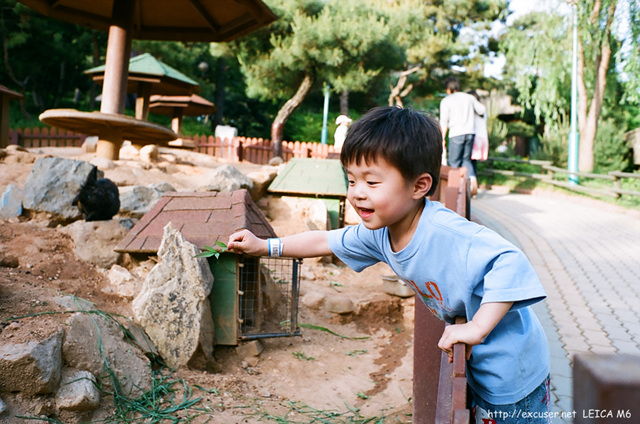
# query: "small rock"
[[339, 305], [250, 349], [149, 153], [90, 144], [103, 163], [252, 361], [313, 300], [393, 286], [11, 202], [9, 261], [78, 392]]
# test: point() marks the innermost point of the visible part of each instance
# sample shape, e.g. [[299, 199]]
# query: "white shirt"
[[457, 113]]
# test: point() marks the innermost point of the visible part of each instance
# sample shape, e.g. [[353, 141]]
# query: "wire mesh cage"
[[269, 289]]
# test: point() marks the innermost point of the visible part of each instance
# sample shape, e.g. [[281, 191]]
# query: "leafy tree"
[[439, 35], [45, 58], [312, 41], [538, 52]]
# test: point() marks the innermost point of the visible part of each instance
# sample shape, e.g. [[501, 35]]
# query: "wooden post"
[[426, 364], [606, 388], [240, 151]]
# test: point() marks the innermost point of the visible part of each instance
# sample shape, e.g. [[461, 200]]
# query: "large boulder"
[[173, 305], [96, 343], [52, 185]]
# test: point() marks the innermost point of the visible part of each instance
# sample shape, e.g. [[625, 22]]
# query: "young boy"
[[458, 268]]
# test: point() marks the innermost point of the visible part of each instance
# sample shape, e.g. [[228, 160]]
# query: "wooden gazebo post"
[[114, 89]]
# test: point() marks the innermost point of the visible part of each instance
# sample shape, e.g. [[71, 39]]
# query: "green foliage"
[[208, 251], [536, 47], [610, 149], [45, 58], [555, 142], [520, 129]]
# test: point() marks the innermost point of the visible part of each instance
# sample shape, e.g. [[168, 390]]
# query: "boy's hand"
[[467, 333], [474, 331], [245, 241]]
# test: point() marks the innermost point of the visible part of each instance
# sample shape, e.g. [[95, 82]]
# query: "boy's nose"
[[358, 192]]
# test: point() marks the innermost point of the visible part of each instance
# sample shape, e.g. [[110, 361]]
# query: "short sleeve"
[[356, 246], [503, 272]]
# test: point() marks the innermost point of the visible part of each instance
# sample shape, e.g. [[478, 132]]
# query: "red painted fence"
[[238, 149]]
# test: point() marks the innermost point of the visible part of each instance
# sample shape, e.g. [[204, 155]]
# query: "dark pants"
[[460, 148]]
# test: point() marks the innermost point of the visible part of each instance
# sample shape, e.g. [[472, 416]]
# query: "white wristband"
[[275, 247]]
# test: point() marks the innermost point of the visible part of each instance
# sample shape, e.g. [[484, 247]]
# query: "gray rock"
[[52, 185], [33, 367], [11, 202], [173, 306], [97, 344], [137, 200], [77, 392], [261, 180], [225, 178], [95, 241]]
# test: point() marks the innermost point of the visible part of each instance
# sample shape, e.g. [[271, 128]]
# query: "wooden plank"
[[426, 364]]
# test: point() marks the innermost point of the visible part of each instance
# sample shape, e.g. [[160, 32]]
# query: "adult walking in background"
[[480, 151], [457, 117]]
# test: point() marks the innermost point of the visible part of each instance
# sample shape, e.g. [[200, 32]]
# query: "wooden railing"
[[547, 173], [45, 137], [440, 387], [258, 150]]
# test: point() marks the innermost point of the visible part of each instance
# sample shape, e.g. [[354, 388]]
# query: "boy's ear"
[[422, 185]]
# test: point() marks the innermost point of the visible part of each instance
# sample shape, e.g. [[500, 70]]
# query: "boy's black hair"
[[409, 140]]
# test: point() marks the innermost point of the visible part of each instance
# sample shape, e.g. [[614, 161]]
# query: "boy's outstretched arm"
[[474, 331], [303, 245]]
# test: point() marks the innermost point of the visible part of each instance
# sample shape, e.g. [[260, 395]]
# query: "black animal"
[[98, 199]]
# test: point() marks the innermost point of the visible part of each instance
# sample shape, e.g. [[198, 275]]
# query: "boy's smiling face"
[[382, 197]]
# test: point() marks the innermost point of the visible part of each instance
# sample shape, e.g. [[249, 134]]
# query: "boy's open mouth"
[[365, 213]]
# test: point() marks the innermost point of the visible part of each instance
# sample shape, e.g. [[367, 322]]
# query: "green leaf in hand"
[[208, 251]]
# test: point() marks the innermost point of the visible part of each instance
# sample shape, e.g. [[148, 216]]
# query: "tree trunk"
[[344, 103], [277, 128], [589, 111], [221, 82], [23, 89], [400, 91], [96, 61]]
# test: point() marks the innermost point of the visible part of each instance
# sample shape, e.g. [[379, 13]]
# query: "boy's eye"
[[372, 183], [351, 182]]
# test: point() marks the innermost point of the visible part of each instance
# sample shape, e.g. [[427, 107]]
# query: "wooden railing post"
[[240, 152]]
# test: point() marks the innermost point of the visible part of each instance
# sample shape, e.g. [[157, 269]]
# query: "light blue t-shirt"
[[454, 266]]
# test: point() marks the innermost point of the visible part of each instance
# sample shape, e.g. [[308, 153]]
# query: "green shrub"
[[610, 151]]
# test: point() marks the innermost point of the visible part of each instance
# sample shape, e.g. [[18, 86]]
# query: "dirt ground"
[[318, 377]]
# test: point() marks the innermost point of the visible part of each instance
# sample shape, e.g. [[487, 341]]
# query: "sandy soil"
[[318, 377]]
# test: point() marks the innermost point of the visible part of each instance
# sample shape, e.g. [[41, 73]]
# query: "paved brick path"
[[587, 254]]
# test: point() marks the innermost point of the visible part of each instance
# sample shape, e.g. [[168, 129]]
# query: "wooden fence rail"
[[548, 174], [45, 137], [258, 150]]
